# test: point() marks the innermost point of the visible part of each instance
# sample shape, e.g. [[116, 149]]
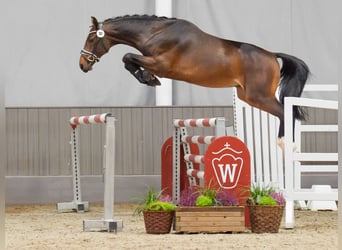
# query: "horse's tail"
[[294, 73]]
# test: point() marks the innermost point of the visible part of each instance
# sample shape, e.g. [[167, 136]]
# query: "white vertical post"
[[107, 222], [76, 180], [288, 118], [3, 150], [109, 169], [176, 165], [220, 128], [340, 168], [76, 204], [164, 91]]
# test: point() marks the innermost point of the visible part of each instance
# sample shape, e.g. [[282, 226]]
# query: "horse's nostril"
[[83, 68]]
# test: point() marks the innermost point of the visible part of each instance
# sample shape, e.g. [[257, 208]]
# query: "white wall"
[[340, 142], [306, 29], [41, 41], [2, 164]]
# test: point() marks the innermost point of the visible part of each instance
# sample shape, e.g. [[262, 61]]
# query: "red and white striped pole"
[[88, 119], [202, 122]]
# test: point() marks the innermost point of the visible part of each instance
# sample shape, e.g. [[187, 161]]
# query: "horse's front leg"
[[136, 64]]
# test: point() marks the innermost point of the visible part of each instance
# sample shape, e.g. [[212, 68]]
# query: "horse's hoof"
[[281, 144], [154, 82], [147, 76]]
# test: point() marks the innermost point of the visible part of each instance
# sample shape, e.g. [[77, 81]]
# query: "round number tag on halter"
[[100, 33]]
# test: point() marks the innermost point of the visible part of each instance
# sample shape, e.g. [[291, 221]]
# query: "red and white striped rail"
[[198, 139], [88, 119], [181, 137], [195, 173], [194, 158], [203, 122]]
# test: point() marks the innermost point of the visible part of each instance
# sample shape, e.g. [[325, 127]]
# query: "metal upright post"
[[176, 166], [75, 165], [220, 128], [187, 151], [288, 154], [109, 169], [107, 223], [77, 204]]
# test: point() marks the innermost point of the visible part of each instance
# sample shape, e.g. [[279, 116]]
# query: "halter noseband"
[[90, 56]]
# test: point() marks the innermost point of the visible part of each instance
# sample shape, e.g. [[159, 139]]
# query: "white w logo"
[[227, 170]]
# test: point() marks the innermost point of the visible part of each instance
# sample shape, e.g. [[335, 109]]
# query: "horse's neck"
[[133, 34], [129, 34]]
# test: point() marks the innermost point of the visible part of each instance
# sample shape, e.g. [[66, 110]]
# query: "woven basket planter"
[[265, 219], [158, 222]]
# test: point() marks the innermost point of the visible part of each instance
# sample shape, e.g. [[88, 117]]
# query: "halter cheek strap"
[[91, 57]]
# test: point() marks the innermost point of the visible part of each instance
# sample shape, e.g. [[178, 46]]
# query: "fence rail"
[[294, 161]]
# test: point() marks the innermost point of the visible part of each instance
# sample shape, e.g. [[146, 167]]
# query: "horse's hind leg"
[[265, 102], [136, 64]]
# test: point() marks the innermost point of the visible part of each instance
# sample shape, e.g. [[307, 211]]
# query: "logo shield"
[[227, 169]]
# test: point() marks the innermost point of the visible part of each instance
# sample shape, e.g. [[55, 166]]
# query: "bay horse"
[[177, 49]]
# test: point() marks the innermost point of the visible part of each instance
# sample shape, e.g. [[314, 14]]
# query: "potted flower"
[[207, 196], [266, 208], [208, 210], [158, 212]]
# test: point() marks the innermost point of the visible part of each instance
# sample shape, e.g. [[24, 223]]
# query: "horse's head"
[[94, 47]]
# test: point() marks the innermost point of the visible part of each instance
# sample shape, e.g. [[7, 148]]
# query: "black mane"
[[138, 18]]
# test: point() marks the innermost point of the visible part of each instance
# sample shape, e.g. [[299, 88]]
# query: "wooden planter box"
[[210, 219]]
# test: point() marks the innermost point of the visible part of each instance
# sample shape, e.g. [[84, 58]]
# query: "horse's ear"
[[95, 22]]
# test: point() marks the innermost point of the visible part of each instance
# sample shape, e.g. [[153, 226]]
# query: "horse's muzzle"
[[85, 66], [84, 69]]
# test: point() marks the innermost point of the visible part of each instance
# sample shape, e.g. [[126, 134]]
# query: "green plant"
[[160, 205], [207, 196], [155, 201], [267, 201], [265, 195], [203, 201]]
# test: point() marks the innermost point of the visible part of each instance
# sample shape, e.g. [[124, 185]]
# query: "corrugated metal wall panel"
[[38, 139], [320, 142], [33, 131], [12, 142]]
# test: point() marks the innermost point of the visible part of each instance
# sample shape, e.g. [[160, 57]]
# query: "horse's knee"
[[125, 58]]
